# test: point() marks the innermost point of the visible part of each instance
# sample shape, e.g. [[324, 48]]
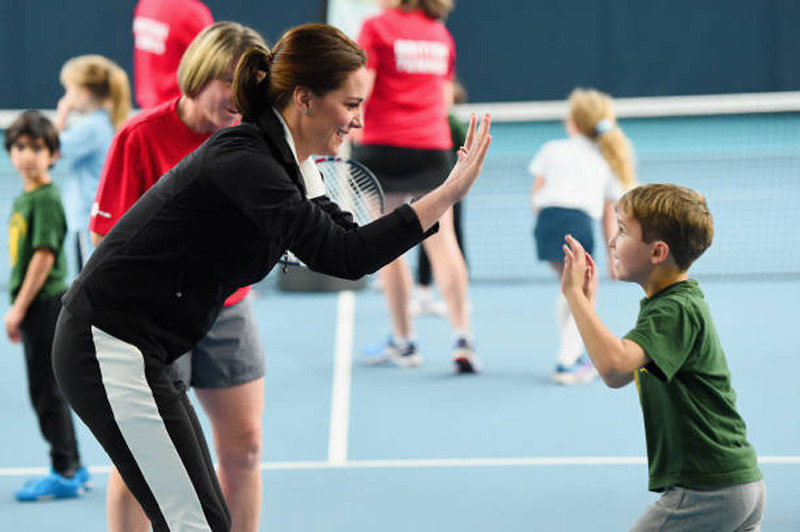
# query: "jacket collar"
[[274, 134]]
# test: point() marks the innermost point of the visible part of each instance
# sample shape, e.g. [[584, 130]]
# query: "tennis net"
[[741, 151]]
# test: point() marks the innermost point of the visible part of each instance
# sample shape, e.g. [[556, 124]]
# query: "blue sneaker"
[[51, 486], [581, 372], [83, 478], [391, 354]]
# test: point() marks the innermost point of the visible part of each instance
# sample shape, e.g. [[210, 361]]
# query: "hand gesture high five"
[[580, 271], [463, 175], [470, 157]]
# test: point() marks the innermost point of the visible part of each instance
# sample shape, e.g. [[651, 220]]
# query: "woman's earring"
[[305, 111]]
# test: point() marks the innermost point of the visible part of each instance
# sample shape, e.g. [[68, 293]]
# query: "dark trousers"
[[128, 397], [424, 264], [52, 410]]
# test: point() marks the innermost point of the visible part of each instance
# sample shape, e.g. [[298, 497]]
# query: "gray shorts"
[[228, 355], [735, 508]]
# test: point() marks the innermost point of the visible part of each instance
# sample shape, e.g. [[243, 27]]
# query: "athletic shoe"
[[581, 372], [464, 357], [52, 486], [423, 303], [391, 354], [83, 478]]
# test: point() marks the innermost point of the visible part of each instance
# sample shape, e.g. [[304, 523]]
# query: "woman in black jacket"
[[218, 220]]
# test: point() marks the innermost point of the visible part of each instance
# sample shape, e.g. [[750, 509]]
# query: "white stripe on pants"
[[135, 411]]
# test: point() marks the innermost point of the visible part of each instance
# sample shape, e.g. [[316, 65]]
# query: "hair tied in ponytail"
[[603, 126]]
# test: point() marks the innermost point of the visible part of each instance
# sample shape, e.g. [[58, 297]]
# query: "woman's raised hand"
[[470, 157], [470, 161]]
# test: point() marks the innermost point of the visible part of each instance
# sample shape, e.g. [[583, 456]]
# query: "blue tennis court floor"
[[354, 448]]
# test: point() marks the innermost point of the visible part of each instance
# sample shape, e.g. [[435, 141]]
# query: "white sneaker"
[[390, 354], [581, 372], [423, 303]]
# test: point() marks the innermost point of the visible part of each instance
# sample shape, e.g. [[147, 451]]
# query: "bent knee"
[[243, 453]]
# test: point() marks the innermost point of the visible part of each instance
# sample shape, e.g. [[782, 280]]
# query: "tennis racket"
[[353, 187]]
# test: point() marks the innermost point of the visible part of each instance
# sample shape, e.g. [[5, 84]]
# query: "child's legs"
[[736, 508], [449, 271], [127, 397], [570, 347], [52, 410]]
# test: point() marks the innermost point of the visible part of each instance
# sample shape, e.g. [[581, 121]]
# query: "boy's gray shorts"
[[735, 508], [228, 355]]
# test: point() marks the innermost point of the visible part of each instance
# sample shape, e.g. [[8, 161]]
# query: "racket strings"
[[353, 188]]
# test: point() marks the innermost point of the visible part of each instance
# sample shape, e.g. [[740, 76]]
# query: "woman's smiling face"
[[331, 117]]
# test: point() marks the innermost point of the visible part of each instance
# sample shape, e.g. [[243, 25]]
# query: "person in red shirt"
[[161, 33], [227, 367], [406, 142]]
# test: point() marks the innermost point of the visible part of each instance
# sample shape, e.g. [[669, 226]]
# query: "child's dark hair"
[[35, 125]]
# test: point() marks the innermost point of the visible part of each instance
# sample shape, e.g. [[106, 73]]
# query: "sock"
[[402, 341], [562, 310], [571, 347], [462, 334]]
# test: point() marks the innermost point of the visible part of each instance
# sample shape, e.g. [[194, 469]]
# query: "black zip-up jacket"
[[221, 219]]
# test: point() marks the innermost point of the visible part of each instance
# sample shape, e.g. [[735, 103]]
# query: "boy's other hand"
[[13, 320]]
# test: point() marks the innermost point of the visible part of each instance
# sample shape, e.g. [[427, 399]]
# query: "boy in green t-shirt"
[[38, 269], [697, 449]]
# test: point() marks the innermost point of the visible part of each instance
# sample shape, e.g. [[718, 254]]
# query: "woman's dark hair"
[[35, 125], [316, 56]]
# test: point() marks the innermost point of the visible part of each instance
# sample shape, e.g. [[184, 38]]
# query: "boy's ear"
[[660, 252]]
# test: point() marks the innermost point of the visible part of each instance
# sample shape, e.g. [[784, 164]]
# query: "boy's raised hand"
[[580, 270]]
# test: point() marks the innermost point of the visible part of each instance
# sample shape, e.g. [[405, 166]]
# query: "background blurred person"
[[162, 30], [96, 102], [406, 142]]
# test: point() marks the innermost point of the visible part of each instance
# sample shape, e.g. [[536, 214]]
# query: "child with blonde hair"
[[576, 181], [95, 104]]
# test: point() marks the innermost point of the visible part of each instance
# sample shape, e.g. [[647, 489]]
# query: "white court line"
[[340, 393], [543, 461]]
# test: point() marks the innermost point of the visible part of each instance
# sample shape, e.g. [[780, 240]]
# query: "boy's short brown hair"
[[35, 125], [677, 215]]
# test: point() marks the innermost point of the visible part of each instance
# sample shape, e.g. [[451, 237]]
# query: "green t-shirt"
[[37, 222], [695, 436]]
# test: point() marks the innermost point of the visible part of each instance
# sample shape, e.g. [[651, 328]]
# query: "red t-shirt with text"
[[162, 30], [413, 56]]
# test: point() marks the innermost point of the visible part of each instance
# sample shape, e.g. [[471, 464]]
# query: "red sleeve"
[[123, 181]]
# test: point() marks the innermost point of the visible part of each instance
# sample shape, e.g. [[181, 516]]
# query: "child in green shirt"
[[698, 453], [38, 269]]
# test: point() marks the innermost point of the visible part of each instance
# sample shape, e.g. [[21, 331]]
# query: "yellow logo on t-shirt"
[[17, 229]]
